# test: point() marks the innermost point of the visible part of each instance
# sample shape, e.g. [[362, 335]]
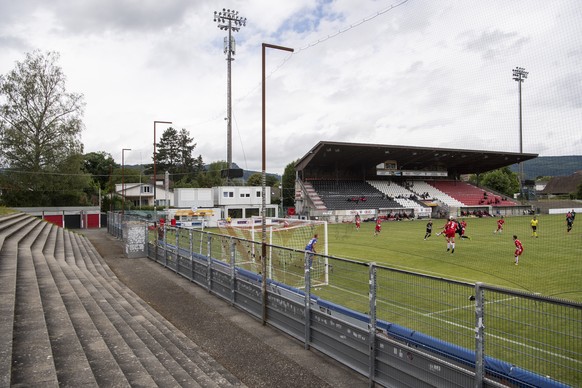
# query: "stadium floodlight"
[[123, 179], [155, 178], [229, 20], [519, 75], [264, 183]]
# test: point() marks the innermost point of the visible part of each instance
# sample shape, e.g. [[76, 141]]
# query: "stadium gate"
[[82, 217]]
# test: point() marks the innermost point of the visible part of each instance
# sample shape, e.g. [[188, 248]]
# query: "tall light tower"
[[519, 75], [229, 20]]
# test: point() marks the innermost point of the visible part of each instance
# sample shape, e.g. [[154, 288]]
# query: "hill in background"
[[550, 166]]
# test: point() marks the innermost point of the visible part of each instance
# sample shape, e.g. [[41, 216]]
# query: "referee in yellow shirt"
[[534, 227]]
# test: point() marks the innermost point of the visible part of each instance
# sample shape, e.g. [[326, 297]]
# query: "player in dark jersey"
[[310, 250], [428, 229]]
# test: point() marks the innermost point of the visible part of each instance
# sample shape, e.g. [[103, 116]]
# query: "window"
[[228, 194], [146, 189], [258, 194]]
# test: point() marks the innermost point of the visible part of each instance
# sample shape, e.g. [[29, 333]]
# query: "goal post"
[[285, 265]]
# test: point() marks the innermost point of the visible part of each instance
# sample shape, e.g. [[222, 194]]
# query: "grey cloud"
[[564, 92], [491, 44], [95, 16], [13, 43]]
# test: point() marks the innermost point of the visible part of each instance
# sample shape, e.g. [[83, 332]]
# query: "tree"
[[100, 165], [174, 154], [40, 127], [256, 179], [212, 176], [501, 180], [288, 185]]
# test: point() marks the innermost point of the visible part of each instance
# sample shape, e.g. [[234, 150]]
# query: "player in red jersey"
[[450, 229], [500, 223], [378, 227], [518, 249], [358, 221]]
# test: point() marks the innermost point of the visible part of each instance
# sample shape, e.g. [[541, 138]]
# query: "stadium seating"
[[403, 196], [352, 195], [313, 196], [68, 321], [420, 187], [468, 194]]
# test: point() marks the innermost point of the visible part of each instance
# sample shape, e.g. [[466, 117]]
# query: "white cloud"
[[423, 74]]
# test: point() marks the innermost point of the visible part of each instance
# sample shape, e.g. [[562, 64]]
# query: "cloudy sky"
[[416, 72]]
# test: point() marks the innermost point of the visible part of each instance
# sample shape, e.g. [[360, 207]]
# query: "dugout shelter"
[[336, 180]]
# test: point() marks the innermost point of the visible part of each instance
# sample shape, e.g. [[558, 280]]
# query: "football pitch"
[[550, 265]]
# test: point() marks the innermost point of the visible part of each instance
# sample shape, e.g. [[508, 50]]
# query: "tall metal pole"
[[123, 179], [228, 19], [229, 60], [155, 177], [519, 75], [264, 184]]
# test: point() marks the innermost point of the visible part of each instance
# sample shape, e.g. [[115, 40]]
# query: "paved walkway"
[[260, 356]]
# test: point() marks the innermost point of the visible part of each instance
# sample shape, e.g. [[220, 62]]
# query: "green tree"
[[212, 176], [501, 180], [288, 185], [40, 127], [100, 165], [579, 191], [174, 154], [256, 179]]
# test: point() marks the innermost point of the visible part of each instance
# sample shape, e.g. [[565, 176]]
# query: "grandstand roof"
[[365, 157]]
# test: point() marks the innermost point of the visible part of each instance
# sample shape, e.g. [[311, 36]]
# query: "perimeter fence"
[[396, 327]]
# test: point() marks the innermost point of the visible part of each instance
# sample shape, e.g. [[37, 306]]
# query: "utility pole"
[[229, 20], [519, 75], [123, 179], [155, 177]]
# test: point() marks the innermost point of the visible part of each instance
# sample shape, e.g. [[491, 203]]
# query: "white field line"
[[472, 329], [466, 307]]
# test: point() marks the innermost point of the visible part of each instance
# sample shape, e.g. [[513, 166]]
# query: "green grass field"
[[550, 265]]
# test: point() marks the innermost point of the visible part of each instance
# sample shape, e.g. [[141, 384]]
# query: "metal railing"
[[394, 326]]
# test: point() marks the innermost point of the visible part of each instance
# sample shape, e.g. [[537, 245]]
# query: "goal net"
[[286, 239]]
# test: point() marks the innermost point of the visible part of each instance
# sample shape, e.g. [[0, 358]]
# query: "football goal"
[[284, 265]]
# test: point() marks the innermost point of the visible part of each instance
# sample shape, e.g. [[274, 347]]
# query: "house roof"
[[563, 184]]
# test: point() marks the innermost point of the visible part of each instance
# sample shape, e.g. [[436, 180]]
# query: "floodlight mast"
[[519, 75], [229, 20]]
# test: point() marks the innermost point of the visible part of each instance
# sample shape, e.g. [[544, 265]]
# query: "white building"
[[234, 201], [142, 194]]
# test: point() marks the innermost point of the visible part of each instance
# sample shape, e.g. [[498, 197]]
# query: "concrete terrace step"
[[131, 356], [179, 354], [103, 364], [197, 363], [155, 359], [11, 233], [70, 359], [66, 320], [32, 357]]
